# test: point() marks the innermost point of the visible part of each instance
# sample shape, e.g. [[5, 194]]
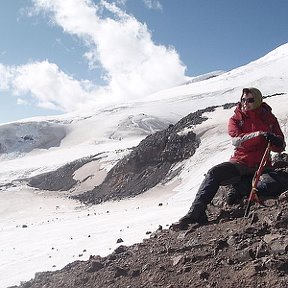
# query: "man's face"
[[247, 102]]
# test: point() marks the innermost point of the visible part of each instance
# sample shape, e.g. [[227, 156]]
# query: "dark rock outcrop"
[[149, 162], [60, 179], [230, 251]]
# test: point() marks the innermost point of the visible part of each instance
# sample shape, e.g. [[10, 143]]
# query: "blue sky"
[[58, 56]]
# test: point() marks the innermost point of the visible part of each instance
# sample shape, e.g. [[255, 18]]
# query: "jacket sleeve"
[[234, 128], [240, 138], [276, 130]]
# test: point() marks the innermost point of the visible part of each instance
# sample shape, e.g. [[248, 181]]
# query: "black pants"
[[220, 175], [240, 176]]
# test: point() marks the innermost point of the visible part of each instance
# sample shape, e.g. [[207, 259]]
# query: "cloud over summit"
[[132, 64]]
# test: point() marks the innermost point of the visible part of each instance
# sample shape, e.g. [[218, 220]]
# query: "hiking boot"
[[196, 214], [238, 191], [189, 218], [231, 197]]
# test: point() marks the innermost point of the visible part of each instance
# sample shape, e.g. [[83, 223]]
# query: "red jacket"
[[245, 128]]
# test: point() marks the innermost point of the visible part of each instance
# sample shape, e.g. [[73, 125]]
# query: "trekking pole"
[[253, 194]]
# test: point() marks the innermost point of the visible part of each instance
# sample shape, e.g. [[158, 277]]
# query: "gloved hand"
[[273, 139]]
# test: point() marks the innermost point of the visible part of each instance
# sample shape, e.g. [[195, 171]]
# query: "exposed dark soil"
[[230, 251]]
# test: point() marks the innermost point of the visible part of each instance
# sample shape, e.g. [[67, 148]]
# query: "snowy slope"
[[60, 230]]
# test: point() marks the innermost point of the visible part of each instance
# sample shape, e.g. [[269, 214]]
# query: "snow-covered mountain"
[[44, 230]]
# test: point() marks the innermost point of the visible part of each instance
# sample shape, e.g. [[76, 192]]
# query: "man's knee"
[[225, 173]]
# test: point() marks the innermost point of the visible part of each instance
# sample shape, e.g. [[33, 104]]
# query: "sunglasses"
[[248, 100]]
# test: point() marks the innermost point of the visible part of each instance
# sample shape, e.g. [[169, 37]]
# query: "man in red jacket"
[[251, 127]]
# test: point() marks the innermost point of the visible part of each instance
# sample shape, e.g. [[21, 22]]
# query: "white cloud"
[[133, 65], [5, 76], [21, 101], [153, 4], [49, 86]]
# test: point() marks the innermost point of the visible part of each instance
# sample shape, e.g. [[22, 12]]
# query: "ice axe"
[[253, 194]]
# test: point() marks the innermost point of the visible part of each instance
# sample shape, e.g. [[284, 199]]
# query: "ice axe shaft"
[[253, 194]]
